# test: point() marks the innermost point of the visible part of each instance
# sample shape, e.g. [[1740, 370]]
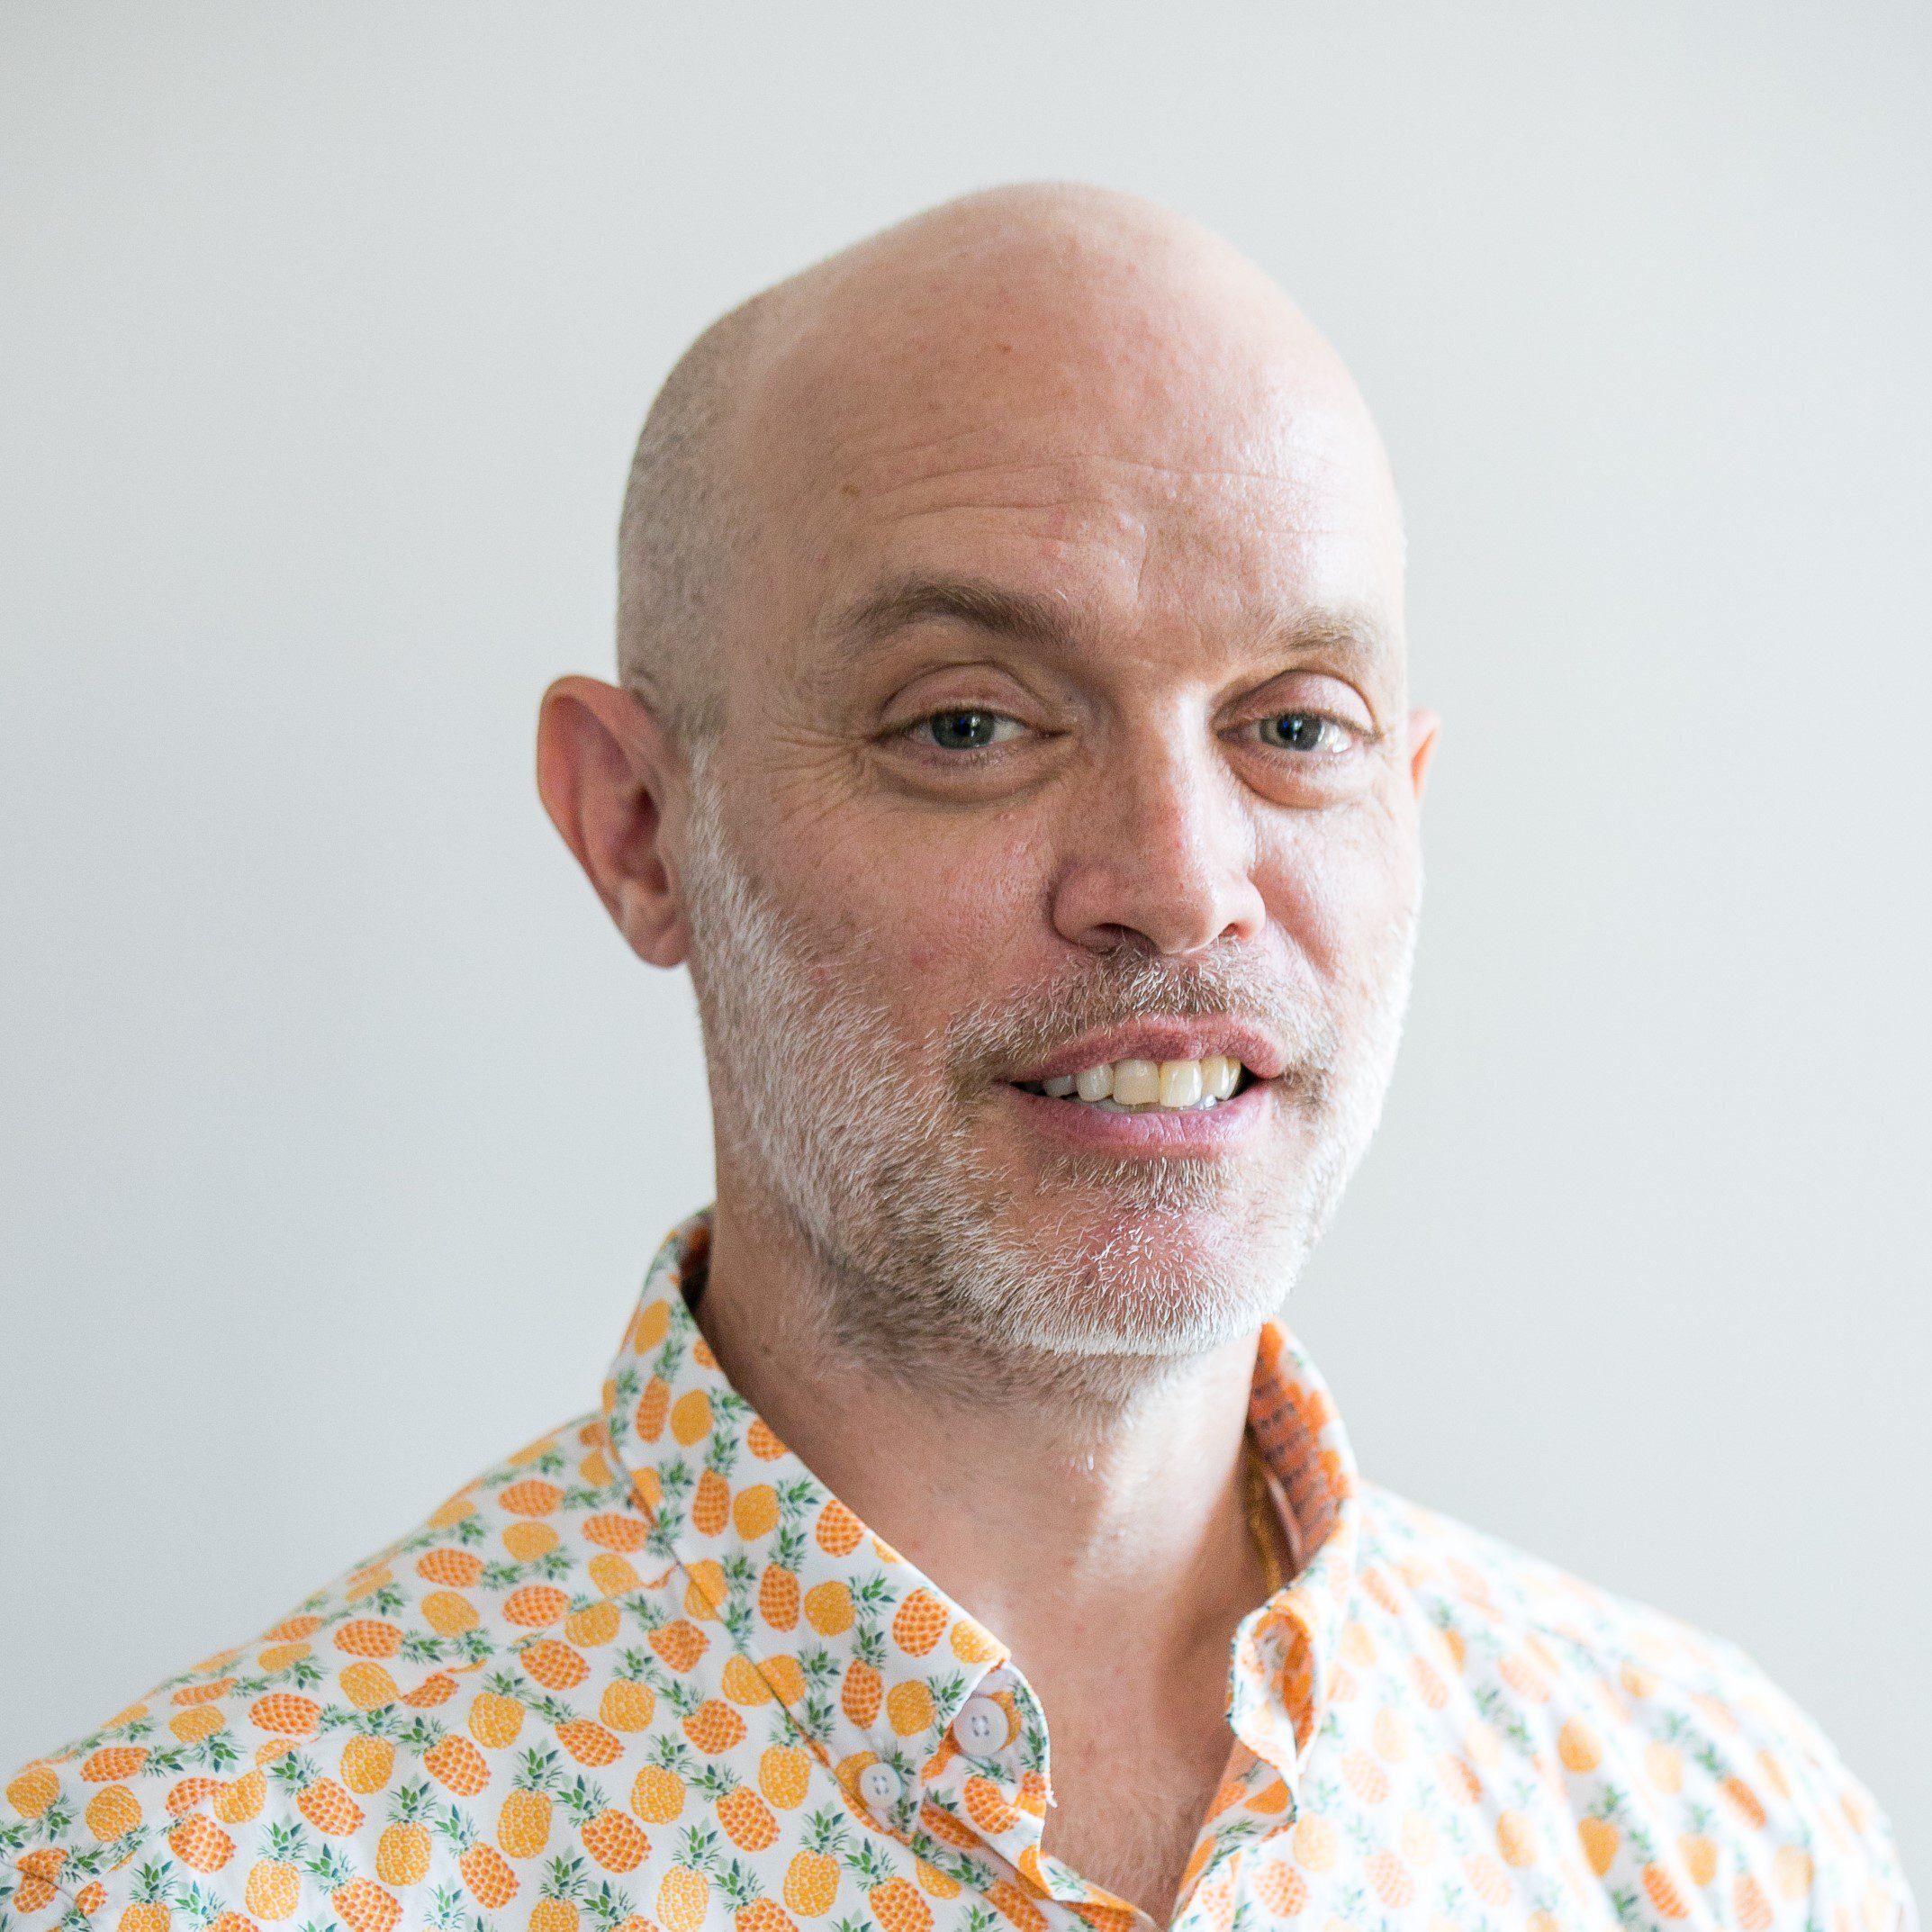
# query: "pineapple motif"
[[533, 1497], [536, 1606], [274, 1886], [496, 1713], [588, 1742], [678, 1642], [755, 1510], [691, 1417], [609, 1835], [403, 1852], [743, 1682], [455, 1569], [556, 1908], [201, 1843], [368, 1759], [1661, 1884], [485, 1872], [864, 1686], [240, 1800], [812, 1877], [283, 1713], [457, 1766], [658, 1795], [592, 1622], [629, 1699], [33, 1789], [319, 1800], [779, 1594], [708, 1722], [894, 1900], [919, 1623], [913, 1706], [710, 1508], [838, 1530], [523, 1823], [684, 1893], [785, 1768], [553, 1663], [1697, 1850], [112, 1811], [748, 1821], [359, 1902], [986, 1803], [745, 1897], [151, 1900]]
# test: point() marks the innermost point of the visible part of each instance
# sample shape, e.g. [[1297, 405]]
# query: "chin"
[[1144, 1278]]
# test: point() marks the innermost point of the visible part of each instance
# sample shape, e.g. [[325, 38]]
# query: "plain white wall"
[[338, 1125]]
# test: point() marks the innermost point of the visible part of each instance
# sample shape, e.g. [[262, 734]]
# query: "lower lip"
[[1182, 1132]]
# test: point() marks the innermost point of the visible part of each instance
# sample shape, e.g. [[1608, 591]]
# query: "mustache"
[[1119, 988]]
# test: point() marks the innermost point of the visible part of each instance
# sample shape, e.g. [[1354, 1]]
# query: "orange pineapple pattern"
[[649, 1677]]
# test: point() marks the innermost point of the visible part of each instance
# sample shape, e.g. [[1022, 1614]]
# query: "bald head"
[[1097, 323]]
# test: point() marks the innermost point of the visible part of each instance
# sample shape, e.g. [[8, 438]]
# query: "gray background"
[[338, 1125]]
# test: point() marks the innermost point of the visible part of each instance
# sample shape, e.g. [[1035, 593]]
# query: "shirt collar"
[[869, 1660]]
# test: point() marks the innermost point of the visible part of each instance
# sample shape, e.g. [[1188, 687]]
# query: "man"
[[1014, 740]]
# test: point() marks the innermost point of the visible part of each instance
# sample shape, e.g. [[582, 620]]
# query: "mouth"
[[1161, 1088], [1134, 1085]]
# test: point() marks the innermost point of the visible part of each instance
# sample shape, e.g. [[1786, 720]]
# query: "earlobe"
[[1424, 728], [605, 769]]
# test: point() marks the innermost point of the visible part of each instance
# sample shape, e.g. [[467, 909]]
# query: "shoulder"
[[270, 1772], [1676, 1763]]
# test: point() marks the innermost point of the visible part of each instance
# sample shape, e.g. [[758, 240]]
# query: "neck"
[[1046, 1519]]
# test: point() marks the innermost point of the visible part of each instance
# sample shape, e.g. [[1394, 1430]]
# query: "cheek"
[[938, 910], [1339, 885]]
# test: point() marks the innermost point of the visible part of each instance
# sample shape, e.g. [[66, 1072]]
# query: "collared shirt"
[[649, 1675]]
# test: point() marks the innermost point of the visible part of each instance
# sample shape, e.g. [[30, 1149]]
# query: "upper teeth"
[[1160, 1083]]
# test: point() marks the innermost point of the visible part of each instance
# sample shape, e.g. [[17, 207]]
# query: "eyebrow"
[[969, 600], [998, 612]]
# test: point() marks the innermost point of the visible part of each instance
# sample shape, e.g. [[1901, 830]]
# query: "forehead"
[[1159, 464]]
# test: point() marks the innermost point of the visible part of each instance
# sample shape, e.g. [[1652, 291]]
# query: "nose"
[[1158, 850]]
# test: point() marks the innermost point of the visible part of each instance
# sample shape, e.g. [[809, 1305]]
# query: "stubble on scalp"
[[684, 527]]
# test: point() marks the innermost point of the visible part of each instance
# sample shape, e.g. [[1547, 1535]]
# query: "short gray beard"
[[863, 1142]]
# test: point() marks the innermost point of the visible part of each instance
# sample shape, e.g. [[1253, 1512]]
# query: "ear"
[[1424, 728], [606, 768]]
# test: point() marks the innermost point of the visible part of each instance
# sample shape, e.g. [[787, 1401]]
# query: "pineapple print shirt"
[[649, 1677]]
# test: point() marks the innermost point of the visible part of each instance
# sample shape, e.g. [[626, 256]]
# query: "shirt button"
[[881, 1786], [980, 1728]]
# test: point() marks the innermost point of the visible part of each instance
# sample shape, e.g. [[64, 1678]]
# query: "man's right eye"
[[964, 730]]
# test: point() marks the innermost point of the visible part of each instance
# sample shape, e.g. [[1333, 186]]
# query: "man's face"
[[1065, 728]]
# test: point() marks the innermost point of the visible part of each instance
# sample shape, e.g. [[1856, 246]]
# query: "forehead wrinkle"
[[884, 473], [1119, 499]]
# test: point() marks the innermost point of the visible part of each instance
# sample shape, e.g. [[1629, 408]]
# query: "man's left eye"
[[1302, 731], [965, 730]]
